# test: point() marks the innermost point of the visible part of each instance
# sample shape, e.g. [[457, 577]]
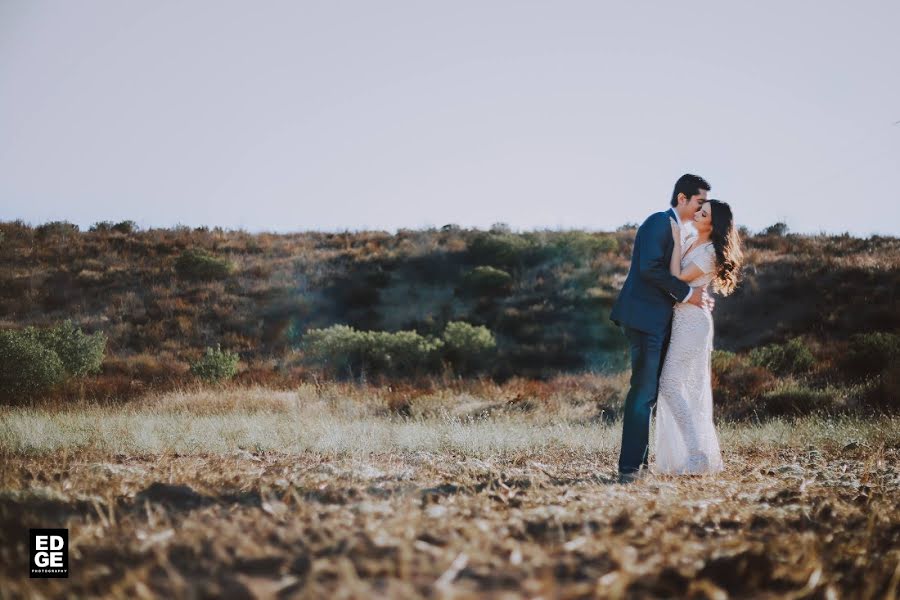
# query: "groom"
[[644, 311]]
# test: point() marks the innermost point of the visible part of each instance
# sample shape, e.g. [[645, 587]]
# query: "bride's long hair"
[[727, 244]]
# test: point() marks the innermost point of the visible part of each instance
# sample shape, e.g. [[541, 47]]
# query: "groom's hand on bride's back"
[[701, 297]]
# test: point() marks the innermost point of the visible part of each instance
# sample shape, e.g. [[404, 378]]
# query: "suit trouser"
[[648, 351]]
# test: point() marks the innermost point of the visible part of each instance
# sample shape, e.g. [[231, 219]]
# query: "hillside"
[[544, 295]]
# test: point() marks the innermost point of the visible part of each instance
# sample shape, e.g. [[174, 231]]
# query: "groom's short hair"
[[689, 185]]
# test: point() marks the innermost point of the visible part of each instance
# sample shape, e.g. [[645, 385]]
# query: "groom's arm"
[[652, 264]]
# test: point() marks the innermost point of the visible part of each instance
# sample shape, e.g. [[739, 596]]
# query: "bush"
[[26, 366], [338, 346], [80, 354], [778, 230], [343, 349], [783, 359], [579, 246], [101, 227], [56, 228], [467, 346], [199, 265], [871, 353], [488, 281], [501, 249], [407, 352], [128, 226], [34, 360], [215, 365]]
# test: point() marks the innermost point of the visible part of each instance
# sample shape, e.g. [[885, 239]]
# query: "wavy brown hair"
[[727, 244]]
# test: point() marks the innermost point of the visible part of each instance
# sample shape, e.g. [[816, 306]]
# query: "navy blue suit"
[[644, 310]]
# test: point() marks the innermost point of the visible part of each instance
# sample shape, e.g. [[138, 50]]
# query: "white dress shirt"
[[681, 231]]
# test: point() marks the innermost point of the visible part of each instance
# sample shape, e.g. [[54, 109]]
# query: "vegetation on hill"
[[814, 313]]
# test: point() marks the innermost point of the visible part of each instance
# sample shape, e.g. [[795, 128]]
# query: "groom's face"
[[688, 207]]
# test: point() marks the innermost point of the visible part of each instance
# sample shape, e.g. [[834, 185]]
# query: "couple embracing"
[[665, 311]]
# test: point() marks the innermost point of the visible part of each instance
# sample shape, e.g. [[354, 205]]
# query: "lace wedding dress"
[[685, 438]]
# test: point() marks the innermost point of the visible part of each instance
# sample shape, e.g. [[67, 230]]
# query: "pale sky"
[[291, 116]]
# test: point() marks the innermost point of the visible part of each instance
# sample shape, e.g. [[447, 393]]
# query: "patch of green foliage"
[[34, 360], [792, 357], [199, 265], [215, 365]]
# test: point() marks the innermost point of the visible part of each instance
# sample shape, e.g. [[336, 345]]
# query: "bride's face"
[[703, 218]]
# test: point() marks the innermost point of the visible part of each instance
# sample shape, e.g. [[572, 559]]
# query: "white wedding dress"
[[685, 438]]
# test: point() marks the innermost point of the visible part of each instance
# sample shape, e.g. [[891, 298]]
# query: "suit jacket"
[[650, 290]]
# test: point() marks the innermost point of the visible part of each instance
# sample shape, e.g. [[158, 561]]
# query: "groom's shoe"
[[632, 476]]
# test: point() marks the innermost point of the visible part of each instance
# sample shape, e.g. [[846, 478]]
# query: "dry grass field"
[[345, 491], [373, 472]]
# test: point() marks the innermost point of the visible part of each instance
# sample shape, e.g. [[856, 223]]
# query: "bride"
[[686, 440]]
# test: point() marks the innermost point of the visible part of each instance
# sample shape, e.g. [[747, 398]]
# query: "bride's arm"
[[692, 271]]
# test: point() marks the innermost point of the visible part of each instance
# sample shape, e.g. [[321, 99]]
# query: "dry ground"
[[320, 494]]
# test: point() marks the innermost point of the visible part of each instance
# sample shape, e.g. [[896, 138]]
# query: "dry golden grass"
[[324, 491]]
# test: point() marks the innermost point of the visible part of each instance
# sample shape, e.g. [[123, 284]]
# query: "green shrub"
[[580, 246], [215, 365], [80, 354], [199, 265], [27, 367], [34, 360], [488, 281], [791, 357], [501, 249], [337, 346], [128, 226], [407, 352], [101, 227], [871, 353], [343, 349], [467, 346], [56, 228]]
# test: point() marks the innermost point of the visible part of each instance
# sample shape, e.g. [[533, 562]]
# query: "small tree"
[[127, 226], [216, 364], [339, 347], [80, 354], [26, 366], [101, 227], [199, 265], [779, 229], [467, 346], [56, 228], [34, 360], [407, 352]]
